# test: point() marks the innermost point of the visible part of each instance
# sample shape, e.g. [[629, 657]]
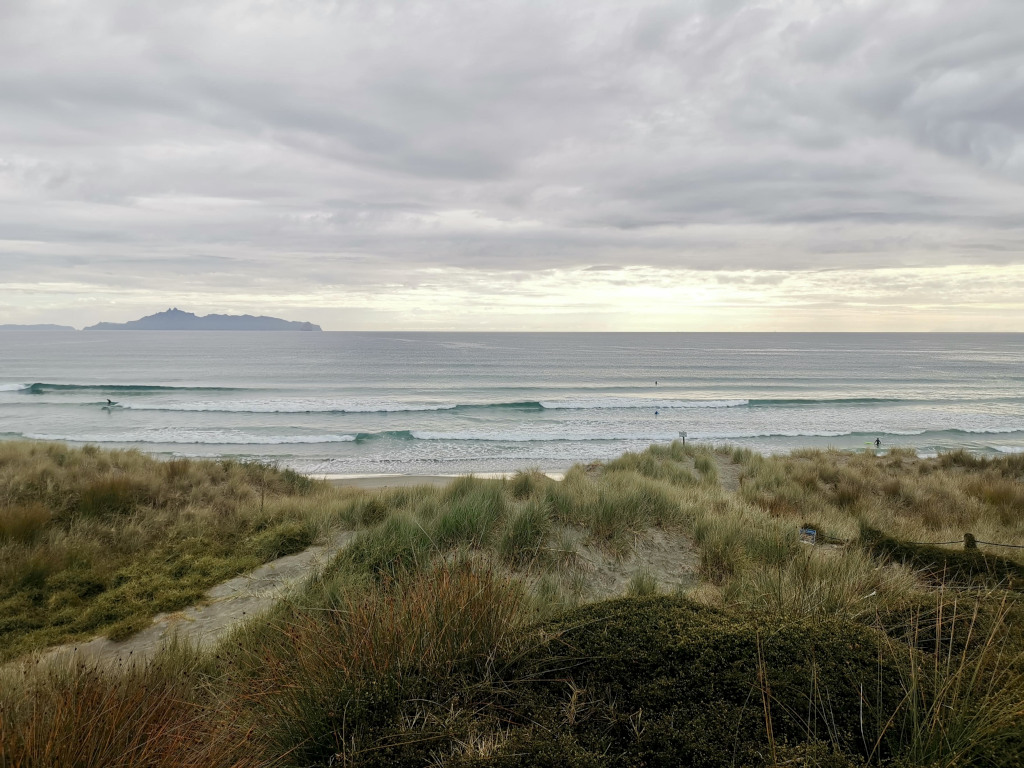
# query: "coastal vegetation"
[[670, 607], [100, 541]]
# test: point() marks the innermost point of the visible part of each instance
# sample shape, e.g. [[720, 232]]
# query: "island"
[[36, 327], [177, 320]]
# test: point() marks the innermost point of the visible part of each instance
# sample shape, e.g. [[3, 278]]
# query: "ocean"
[[445, 403]]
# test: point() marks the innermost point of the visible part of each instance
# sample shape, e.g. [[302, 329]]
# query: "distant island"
[[37, 327], [177, 320]]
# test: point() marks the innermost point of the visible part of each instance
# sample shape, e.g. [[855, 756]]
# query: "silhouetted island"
[[35, 327], [177, 320]]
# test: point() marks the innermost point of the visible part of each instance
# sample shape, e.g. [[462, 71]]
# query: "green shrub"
[[661, 681]]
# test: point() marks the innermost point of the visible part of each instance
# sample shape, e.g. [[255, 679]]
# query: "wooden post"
[[970, 542]]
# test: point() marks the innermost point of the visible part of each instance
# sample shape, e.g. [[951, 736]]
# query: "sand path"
[[728, 473], [223, 607]]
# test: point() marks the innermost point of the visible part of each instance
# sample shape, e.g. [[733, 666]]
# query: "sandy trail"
[[728, 473], [225, 605]]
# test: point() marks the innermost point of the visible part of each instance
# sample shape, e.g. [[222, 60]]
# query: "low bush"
[[661, 681]]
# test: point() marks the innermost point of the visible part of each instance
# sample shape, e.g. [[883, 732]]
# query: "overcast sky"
[[571, 165]]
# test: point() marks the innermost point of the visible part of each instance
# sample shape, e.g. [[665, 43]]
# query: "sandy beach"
[[374, 482]]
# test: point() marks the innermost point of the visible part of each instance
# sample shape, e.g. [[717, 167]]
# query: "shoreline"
[[374, 482]]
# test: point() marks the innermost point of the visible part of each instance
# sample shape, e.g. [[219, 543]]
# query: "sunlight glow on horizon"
[[626, 299]]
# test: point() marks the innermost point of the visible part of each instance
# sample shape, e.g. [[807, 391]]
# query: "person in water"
[[878, 442]]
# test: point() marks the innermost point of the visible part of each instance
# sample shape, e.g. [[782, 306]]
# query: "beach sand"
[[373, 482]]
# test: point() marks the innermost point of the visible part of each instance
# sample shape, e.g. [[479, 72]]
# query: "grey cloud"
[[232, 140]]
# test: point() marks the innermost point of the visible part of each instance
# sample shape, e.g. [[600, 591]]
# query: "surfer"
[[655, 413], [110, 403], [878, 442]]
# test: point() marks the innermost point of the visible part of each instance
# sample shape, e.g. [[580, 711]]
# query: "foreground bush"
[[664, 682]]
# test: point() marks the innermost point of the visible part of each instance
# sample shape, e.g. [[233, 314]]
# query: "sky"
[[581, 165]]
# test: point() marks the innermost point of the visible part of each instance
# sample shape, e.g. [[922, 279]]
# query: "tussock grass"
[[155, 715], [659, 462], [322, 685], [642, 584], [525, 532]]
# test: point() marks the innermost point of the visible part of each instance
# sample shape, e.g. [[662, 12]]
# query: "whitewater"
[[370, 403]]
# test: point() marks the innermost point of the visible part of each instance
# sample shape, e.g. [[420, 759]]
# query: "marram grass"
[[453, 630]]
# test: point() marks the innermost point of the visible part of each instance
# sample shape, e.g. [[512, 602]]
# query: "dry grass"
[[920, 500]]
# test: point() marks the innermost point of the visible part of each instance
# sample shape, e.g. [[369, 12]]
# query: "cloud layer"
[[264, 154]]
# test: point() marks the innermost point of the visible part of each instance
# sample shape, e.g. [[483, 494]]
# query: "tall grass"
[[317, 682], [155, 715], [99, 541], [918, 500], [964, 701]]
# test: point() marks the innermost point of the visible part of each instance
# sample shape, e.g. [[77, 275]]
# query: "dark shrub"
[[665, 682]]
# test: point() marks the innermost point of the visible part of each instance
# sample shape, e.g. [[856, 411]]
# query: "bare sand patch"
[[669, 557]]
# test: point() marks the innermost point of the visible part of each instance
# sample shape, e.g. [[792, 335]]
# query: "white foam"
[[389, 475], [742, 435], [634, 402], [196, 437], [289, 406], [538, 437], [1009, 448], [13, 387]]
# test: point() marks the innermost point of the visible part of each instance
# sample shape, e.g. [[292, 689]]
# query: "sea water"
[[443, 403]]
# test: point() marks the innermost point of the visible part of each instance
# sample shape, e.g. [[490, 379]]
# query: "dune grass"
[[453, 630], [96, 541]]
